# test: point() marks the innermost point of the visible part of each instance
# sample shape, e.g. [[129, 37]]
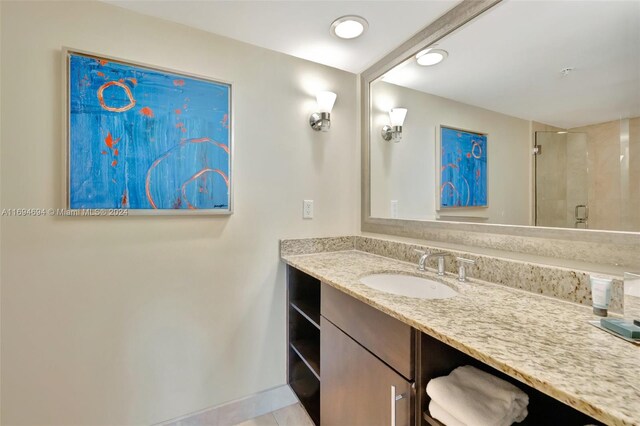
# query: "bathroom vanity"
[[360, 356]]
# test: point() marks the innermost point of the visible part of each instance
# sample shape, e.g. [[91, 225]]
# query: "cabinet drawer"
[[389, 339]]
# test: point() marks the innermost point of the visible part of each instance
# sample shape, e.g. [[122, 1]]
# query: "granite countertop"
[[541, 341]]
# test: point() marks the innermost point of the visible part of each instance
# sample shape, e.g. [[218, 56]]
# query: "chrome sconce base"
[[320, 121], [392, 133]]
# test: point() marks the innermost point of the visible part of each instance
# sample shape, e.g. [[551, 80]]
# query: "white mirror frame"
[[613, 248]]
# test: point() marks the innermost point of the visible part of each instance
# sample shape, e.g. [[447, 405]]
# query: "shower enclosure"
[[589, 177]]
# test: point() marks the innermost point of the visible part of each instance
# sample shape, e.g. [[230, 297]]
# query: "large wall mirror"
[[510, 113]]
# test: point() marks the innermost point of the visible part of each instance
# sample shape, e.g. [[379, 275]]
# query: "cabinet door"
[[357, 388]]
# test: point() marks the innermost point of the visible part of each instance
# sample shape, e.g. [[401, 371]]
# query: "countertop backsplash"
[[563, 283]]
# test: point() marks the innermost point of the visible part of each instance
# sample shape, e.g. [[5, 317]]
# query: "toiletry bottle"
[[600, 294]]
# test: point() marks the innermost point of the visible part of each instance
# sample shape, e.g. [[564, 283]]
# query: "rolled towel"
[[478, 398], [439, 413]]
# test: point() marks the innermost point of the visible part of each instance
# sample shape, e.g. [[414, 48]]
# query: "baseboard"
[[240, 410]]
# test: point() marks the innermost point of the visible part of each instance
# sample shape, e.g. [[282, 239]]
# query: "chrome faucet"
[[426, 256], [462, 270]]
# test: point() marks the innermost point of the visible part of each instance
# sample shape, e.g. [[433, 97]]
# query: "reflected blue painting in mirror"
[[463, 168], [141, 138]]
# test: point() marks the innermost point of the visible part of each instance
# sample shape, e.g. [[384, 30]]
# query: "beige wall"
[[138, 320], [406, 171], [631, 211]]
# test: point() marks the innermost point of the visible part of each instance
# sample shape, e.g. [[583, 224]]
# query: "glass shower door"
[[561, 180]]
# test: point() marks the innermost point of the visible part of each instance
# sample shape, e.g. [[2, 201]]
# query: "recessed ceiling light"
[[429, 57], [348, 27]]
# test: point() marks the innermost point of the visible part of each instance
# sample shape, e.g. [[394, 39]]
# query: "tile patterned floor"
[[293, 415]]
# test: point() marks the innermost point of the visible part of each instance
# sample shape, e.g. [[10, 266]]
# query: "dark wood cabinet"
[[368, 363], [358, 389], [389, 339]]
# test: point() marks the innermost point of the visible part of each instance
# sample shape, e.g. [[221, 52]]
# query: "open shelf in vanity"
[[303, 339], [439, 359]]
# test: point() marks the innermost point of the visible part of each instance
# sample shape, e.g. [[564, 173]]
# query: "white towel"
[[439, 413], [478, 398]]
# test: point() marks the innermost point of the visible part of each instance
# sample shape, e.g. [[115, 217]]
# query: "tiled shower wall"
[[614, 174], [596, 165]]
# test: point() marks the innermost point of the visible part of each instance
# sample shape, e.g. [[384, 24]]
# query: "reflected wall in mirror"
[[555, 89]]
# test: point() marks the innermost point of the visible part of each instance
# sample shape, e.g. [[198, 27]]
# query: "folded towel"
[[478, 398], [439, 413]]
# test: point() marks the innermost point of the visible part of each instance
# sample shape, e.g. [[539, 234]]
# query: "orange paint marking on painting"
[[127, 91], [133, 80], [468, 155], [225, 121], [209, 140], [114, 163], [178, 111], [147, 183], [124, 199], [103, 62], [183, 129], [178, 82], [103, 152], [146, 111], [196, 176], [475, 145], [116, 152], [109, 140], [100, 74], [180, 124], [468, 191], [450, 185], [453, 166]]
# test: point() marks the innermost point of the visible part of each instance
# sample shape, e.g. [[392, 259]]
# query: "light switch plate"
[[307, 209]]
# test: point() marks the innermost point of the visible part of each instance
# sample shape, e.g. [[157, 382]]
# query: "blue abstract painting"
[[463, 171], [141, 138]]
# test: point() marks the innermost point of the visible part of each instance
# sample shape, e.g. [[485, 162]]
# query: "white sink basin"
[[408, 285]]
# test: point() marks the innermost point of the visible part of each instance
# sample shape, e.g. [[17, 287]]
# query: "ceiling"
[[301, 28], [510, 59]]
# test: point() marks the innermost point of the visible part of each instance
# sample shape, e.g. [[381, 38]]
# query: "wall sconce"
[[394, 132], [321, 120]]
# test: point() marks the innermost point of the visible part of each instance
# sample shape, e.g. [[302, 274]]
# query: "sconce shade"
[[397, 115], [325, 101], [394, 131]]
